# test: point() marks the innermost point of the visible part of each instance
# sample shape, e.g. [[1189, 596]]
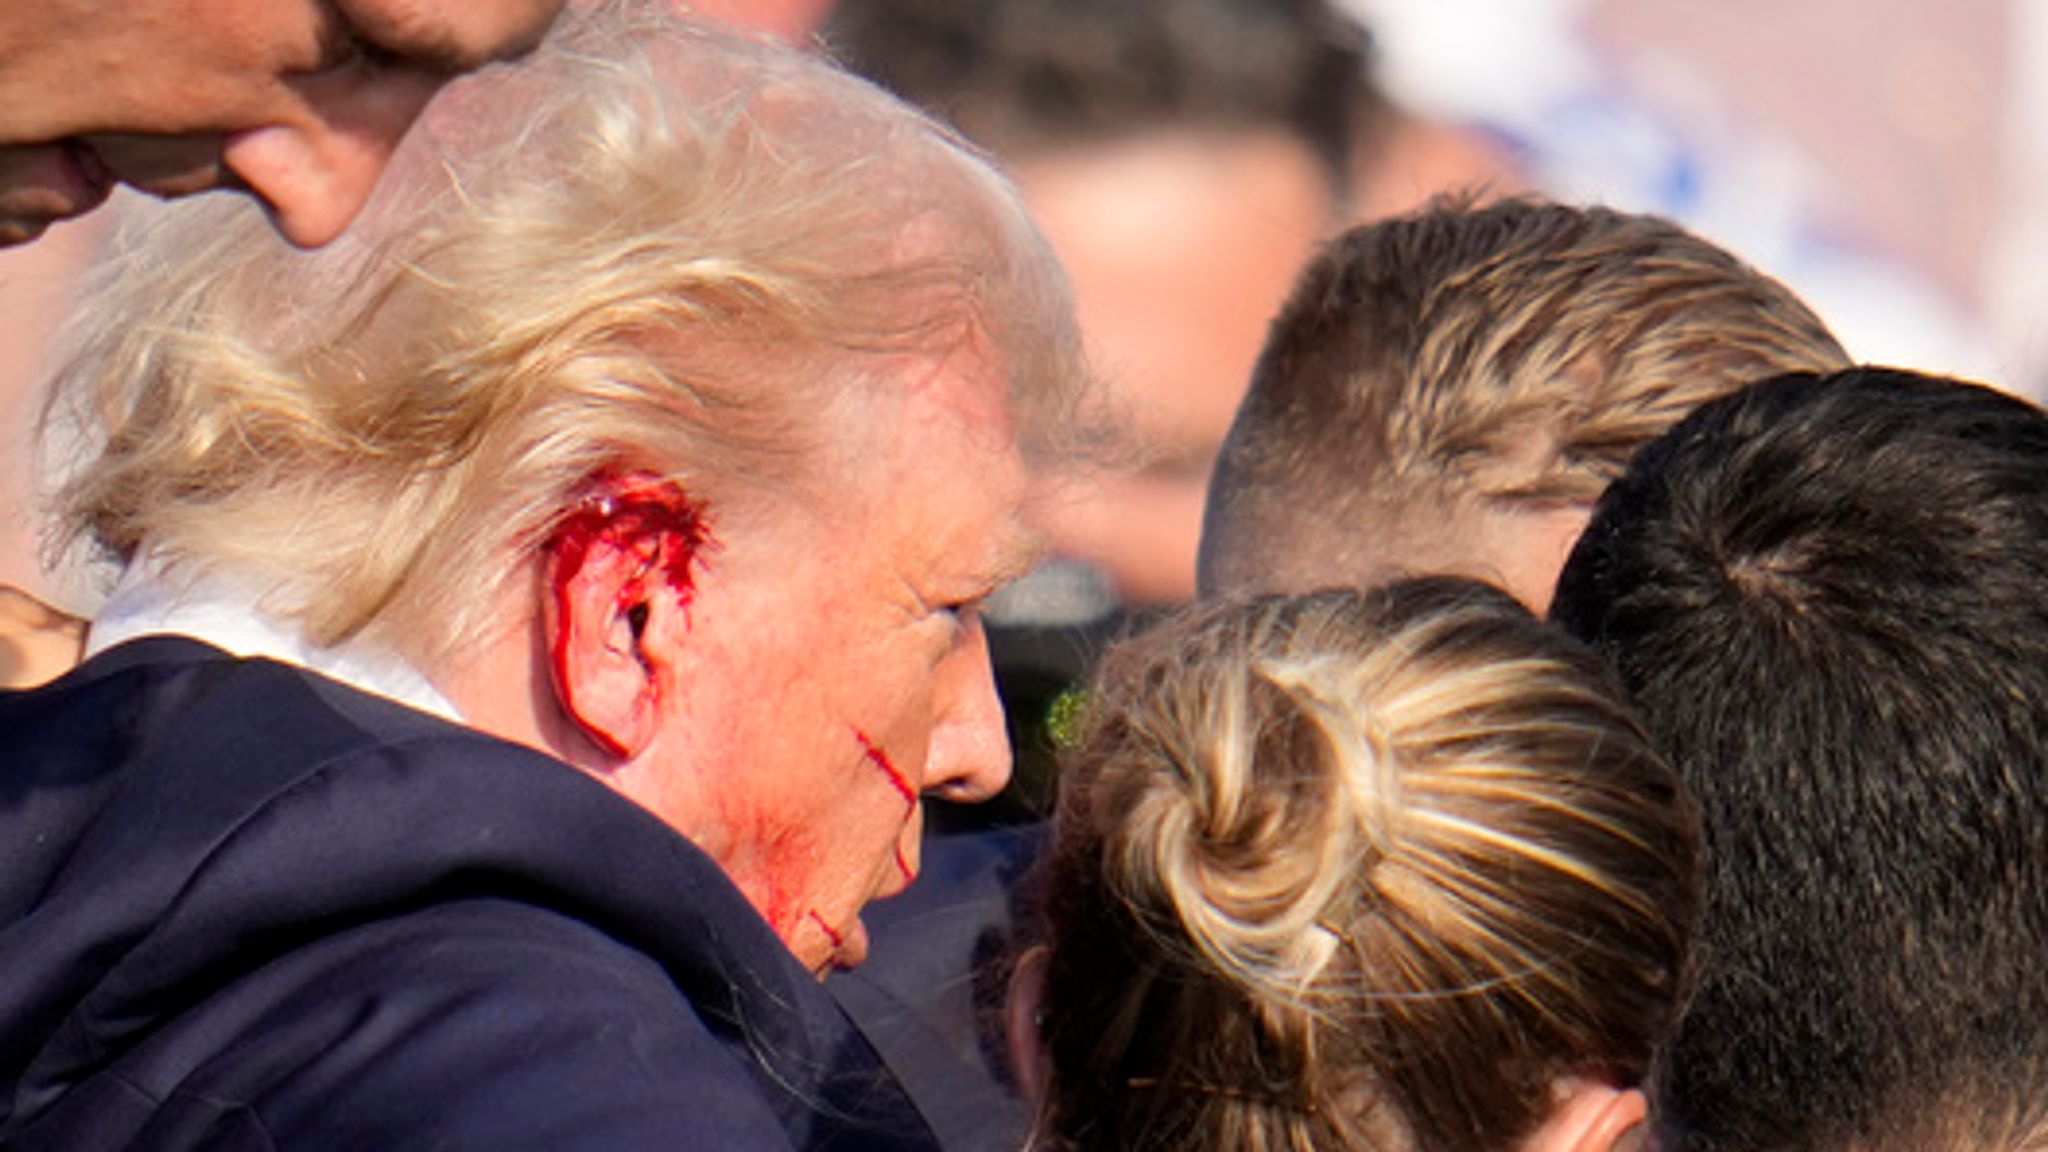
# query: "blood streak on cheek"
[[638, 519], [880, 760]]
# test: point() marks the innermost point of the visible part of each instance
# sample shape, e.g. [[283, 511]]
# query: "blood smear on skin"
[[836, 939], [641, 516], [897, 780], [880, 760]]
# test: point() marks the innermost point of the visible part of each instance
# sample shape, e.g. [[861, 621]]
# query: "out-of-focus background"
[[1886, 158]]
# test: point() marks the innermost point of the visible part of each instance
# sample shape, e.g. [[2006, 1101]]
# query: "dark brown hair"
[[1481, 358]]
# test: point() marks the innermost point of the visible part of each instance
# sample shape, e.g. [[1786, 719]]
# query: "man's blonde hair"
[[1357, 870], [1472, 361], [649, 246]]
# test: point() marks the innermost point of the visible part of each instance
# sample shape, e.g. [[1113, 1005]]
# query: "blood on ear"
[[633, 539], [639, 515]]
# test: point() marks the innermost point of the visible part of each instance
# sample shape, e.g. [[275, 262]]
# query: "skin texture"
[[1519, 552], [299, 102], [823, 669], [37, 642], [1180, 247]]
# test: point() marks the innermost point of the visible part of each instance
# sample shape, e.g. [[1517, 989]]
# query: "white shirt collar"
[[149, 601]]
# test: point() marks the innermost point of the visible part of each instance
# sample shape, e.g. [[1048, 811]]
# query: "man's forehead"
[[975, 534]]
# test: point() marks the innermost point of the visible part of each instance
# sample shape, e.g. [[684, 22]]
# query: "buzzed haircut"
[[1469, 360], [1019, 77], [1828, 597]]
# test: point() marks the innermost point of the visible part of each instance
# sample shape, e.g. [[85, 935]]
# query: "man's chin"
[[853, 948], [849, 950]]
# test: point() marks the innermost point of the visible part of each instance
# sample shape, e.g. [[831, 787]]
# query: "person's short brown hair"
[[1466, 361]]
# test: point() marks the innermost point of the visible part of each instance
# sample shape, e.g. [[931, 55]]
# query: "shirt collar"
[[214, 608]]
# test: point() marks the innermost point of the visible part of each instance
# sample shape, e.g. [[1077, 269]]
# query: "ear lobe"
[[1022, 1013], [1593, 1117], [595, 623]]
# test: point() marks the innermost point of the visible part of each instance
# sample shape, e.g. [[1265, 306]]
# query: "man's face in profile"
[[1180, 247], [300, 102], [833, 669]]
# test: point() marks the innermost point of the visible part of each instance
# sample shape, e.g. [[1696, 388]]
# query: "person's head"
[[1829, 598], [1388, 870], [299, 102], [1183, 156], [668, 407], [1449, 392]]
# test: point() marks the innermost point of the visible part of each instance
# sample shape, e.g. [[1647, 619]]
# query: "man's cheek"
[[875, 757], [776, 865]]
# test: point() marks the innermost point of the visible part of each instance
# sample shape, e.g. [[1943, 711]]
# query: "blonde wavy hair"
[[1356, 870], [650, 245], [1471, 361]]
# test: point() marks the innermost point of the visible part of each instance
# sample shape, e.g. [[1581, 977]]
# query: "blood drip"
[[897, 780], [836, 939], [880, 760], [637, 515]]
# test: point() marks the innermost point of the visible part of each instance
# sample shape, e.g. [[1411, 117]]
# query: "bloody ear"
[[628, 545]]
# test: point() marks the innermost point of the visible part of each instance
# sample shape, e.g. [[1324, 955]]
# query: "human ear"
[[1593, 1117], [1022, 1012], [616, 572]]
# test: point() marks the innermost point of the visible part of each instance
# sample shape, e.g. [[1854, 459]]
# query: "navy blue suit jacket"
[[931, 994], [242, 906]]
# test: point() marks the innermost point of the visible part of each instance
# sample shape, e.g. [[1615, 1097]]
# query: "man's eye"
[[964, 614]]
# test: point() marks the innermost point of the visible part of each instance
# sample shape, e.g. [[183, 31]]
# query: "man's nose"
[[317, 169], [970, 752]]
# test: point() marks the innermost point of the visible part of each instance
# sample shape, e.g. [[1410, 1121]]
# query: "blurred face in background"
[[1181, 247]]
